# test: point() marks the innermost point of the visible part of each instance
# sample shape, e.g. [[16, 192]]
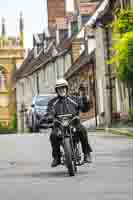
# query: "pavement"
[[121, 131], [25, 171], [91, 125]]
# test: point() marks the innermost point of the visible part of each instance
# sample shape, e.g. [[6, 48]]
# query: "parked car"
[[37, 110]]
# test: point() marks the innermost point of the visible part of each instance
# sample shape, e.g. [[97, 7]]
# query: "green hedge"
[[11, 128]]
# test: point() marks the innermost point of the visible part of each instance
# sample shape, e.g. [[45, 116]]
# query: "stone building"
[[11, 56]]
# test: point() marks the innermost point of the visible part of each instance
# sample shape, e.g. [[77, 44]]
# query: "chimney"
[[35, 52], [34, 46], [90, 39], [45, 44], [44, 41], [69, 29], [57, 36], [79, 22]]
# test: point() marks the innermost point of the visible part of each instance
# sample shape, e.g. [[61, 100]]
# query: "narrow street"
[[25, 171], [60, 59]]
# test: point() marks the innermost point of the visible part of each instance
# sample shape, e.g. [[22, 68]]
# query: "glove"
[[50, 119]]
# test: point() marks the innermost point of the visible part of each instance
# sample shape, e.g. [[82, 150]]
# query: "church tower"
[[11, 56], [3, 33]]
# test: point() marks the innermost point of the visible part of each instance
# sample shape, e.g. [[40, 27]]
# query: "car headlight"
[[39, 112]]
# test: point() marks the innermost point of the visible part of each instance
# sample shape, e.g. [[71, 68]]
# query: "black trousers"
[[55, 144]]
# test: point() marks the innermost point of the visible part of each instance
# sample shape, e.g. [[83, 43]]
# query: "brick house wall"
[[56, 8]]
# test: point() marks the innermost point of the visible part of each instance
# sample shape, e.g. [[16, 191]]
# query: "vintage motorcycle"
[[69, 141]]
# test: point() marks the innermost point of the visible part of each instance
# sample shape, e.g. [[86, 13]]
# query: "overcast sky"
[[34, 14]]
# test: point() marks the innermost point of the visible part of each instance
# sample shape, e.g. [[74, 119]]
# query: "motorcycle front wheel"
[[68, 157]]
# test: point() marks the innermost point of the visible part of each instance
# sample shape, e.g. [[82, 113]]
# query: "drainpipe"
[[57, 36], [94, 90], [79, 21], [37, 82], [109, 78], [69, 30]]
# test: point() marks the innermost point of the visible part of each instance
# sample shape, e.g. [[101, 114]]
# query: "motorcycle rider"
[[64, 104]]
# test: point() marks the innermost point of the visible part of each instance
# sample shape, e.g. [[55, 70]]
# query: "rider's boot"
[[87, 158], [56, 161]]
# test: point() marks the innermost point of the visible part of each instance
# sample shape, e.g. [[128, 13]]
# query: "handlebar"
[[66, 115]]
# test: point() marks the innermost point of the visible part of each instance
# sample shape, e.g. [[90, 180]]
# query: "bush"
[[124, 22], [123, 57], [131, 114], [11, 128], [13, 124]]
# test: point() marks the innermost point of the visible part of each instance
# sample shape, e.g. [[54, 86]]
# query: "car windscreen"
[[43, 101]]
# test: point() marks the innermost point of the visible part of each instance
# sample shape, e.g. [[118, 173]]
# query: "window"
[[125, 3], [2, 80]]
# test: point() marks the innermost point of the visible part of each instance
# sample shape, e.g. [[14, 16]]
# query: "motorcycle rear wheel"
[[68, 157]]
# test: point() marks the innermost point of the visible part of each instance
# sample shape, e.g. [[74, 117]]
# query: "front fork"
[[76, 155], [74, 159], [67, 133]]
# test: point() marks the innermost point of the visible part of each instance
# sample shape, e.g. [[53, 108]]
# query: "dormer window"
[[36, 52], [39, 42]]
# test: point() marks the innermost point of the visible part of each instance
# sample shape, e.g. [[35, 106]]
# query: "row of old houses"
[[80, 57]]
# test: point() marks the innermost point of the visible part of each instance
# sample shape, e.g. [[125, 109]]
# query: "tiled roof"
[[32, 64], [25, 63], [41, 60], [65, 44]]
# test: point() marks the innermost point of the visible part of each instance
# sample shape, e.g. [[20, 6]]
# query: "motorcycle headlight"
[[74, 129], [65, 122]]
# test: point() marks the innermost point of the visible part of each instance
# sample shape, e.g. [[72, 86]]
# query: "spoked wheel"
[[68, 157]]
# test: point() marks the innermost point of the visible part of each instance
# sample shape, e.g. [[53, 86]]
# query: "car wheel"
[[30, 130], [35, 128]]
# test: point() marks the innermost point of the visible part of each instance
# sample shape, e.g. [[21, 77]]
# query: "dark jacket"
[[67, 105]]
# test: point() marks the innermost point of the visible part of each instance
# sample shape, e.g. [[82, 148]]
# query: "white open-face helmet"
[[61, 87], [61, 83]]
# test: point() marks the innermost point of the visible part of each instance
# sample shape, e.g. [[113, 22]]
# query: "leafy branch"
[[123, 46]]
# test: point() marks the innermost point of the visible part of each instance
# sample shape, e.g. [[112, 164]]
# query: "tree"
[[124, 57], [123, 49]]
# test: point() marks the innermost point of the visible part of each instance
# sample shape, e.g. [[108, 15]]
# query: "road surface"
[[25, 172]]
